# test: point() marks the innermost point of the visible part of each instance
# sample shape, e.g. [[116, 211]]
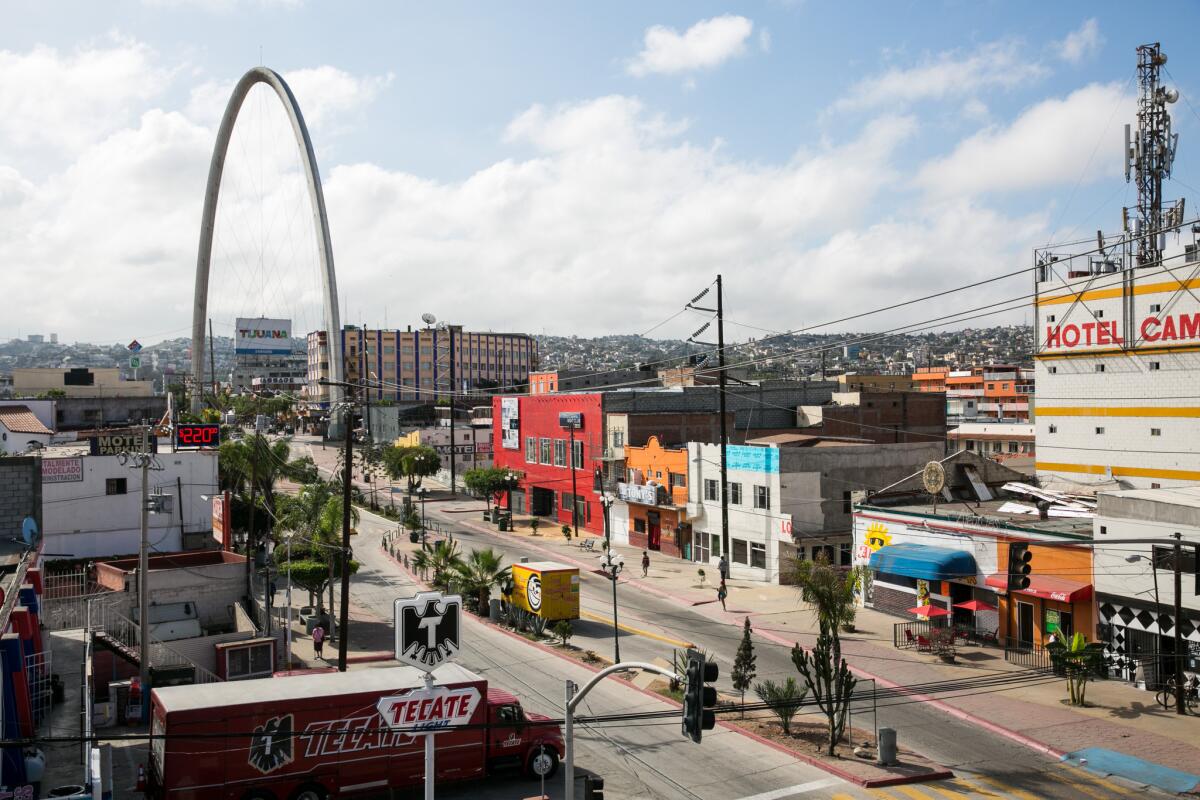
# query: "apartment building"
[[414, 366]]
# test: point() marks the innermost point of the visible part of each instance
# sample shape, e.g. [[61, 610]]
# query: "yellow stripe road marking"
[[842, 796], [945, 792], [1107, 785], [971, 788], [1057, 775], [911, 792], [1020, 794], [636, 631], [881, 794]]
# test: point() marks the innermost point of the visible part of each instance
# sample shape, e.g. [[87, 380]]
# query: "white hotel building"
[[1118, 367]]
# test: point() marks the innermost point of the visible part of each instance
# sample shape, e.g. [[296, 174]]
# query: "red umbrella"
[[975, 605], [928, 611]]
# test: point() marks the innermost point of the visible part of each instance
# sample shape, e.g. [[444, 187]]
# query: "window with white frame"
[[578, 459], [618, 438], [530, 449], [255, 661], [710, 489], [560, 452], [546, 451], [758, 555], [762, 497], [735, 494]]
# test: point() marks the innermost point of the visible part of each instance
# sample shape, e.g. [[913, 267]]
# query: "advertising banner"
[[510, 423], [262, 337]]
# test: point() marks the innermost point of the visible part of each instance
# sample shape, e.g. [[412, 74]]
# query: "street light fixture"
[[606, 501], [511, 479], [421, 492], [612, 565]]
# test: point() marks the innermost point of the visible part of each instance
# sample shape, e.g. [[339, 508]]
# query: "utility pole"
[[453, 388], [347, 477], [724, 425], [254, 443], [574, 488], [144, 577], [1180, 689], [212, 362]]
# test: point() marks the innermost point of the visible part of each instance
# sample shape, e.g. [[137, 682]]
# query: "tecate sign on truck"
[[429, 709]]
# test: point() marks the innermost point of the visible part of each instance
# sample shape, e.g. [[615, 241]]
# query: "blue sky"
[[494, 161]]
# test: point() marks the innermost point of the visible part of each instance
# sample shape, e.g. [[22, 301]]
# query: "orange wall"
[[1070, 563], [654, 458]]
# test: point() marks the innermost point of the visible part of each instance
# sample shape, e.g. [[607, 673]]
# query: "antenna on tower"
[[1149, 154]]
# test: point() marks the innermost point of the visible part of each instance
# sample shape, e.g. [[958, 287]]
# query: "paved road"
[[987, 766]]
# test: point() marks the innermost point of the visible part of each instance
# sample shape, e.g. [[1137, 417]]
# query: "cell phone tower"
[[1148, 157]]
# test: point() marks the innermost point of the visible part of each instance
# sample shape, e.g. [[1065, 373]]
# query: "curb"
[[957, 713], [367, 658], [813, 762]]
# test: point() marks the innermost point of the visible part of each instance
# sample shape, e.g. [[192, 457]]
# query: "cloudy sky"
[[564, 167]]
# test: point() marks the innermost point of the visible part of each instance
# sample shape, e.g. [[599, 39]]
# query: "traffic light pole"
[[575, 695]]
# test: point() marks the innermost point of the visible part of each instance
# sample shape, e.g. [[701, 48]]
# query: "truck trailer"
[[547, 589], [314, 737]]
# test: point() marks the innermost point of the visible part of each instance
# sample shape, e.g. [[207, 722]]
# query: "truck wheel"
[[310, 791], [543, 763]]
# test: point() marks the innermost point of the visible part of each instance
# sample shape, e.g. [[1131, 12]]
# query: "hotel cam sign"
[[1153, 329]]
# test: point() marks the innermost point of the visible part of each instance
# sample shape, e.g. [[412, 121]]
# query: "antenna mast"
[[1149, 155]]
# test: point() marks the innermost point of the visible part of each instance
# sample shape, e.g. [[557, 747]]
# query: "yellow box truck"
[[547, 589]]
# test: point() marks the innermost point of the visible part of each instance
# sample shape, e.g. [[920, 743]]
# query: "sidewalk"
[[1121, 717]]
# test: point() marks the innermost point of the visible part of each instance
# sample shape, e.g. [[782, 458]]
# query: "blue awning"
[[923, 561]]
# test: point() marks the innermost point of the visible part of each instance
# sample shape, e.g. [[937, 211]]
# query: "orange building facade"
[[655, 489], [1059, 600]]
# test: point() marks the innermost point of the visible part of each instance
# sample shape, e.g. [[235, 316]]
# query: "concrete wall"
[[20, 494], [17, 442], [33, 380], [889, 417], [675, 429], [85, 521], [213, 588]]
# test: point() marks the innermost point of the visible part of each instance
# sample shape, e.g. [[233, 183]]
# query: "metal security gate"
[[66, 599]]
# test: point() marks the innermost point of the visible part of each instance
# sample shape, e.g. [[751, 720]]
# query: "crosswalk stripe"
[[1020, 794], [917, 794], [800, 788], [1056, 774], [842, 796], [881, 794], [1099, 781], [945, 792], [971, 788]]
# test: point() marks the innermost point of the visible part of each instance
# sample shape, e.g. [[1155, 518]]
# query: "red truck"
[[313, 737]]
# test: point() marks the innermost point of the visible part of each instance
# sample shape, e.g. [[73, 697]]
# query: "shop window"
[[249, 662], [546, 451], [639, 525], [758, 555], [710, 489], [114, 486], [739, 552], [530, 450]]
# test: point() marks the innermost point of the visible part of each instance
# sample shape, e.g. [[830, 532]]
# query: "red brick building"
[[533, 438]]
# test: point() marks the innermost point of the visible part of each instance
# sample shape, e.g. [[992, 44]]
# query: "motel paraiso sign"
[[1154, 328]]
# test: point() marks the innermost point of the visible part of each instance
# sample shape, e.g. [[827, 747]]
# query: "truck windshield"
[[509, 715]]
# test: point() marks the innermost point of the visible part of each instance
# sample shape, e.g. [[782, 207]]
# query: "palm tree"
[[479, 572], [255, 465], [444, 560]]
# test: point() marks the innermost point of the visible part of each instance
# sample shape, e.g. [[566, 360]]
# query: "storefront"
[[1049, 606], [903, 576]]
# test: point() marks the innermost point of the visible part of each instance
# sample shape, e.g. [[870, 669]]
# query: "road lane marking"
[[971, 788], [1082, 788], [881, 794], [637, 631], [789, 791], [944, 791], [917, 794], [1107, 785]]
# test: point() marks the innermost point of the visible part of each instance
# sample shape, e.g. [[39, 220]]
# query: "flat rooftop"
[[988, 512]]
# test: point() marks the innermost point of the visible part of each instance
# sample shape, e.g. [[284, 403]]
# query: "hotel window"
[[545, 459], [710, 489], [560, 452], [1099, 430], [1155, 366], [1099, 368], [735, 494], [1155, 308], [1050, 318], [1156, 431], [762, 497], [1053, 370], [1054, 429], [1099, 315]]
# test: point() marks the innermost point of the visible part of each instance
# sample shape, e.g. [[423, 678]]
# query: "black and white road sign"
[[428, 629]]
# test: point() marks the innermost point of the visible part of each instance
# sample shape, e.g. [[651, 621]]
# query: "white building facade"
[[757, 526], [1118, 369], [91, 505]]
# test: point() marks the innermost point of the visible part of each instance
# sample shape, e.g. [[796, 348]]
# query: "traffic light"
[[1018, 566], [699, 698], [593, 787]]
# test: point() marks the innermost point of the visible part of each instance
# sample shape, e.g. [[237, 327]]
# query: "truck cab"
[[518, 740]]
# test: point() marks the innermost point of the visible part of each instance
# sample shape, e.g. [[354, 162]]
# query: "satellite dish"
[[428, 318], [934, 477], [29, 530], [1171, 95]]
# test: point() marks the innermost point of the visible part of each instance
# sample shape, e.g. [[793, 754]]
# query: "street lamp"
[[606, 501], [421, 492], [510, 482], [288, 537], [612, 566], [1133, 559]]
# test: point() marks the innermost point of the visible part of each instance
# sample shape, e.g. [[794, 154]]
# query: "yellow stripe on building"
[[1109, 293], [1117, 351], [1120, 472], [1118, 411]]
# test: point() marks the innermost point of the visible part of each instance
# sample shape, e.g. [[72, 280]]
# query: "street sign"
[[428, 629], [135, 346], [570, 419], [427, 710], [135, 362]]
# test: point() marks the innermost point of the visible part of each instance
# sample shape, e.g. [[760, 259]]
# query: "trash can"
[[414, 536], [504, 522], [887, 746]]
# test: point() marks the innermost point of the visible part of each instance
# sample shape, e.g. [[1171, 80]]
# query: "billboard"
[[510, 423], [62, 470], [262, 337]]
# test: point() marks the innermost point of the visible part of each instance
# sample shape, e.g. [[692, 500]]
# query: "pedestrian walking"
[[645, 564], [723, 568], [722, 593], [318, 635]]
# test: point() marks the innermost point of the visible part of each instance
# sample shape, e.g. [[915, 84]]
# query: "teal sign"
[[753, 459]]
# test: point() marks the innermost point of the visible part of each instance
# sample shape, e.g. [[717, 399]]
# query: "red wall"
[[538, 417]]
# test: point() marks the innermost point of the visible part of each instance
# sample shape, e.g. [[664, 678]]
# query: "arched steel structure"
[[212, 193]]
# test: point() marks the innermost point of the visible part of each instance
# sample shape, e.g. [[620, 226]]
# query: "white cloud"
[[1050, 143], [1082, 43], [764, 40], [706, 44], [950, 74], [52, 101]]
